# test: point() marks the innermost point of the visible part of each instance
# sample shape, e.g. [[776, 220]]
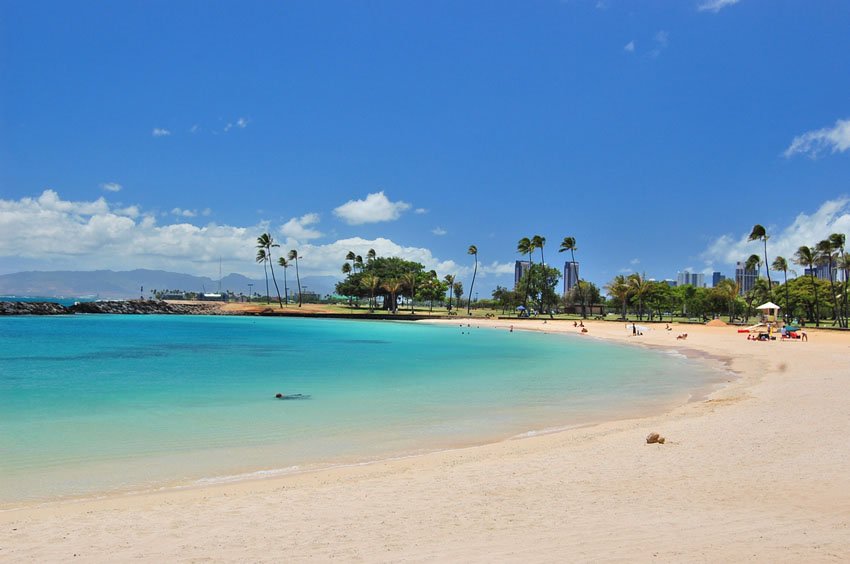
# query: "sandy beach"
[[758, 471]]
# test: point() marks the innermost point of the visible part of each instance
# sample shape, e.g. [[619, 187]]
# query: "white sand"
[[759, 472]]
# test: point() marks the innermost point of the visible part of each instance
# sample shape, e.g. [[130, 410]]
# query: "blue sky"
[[165, 135]]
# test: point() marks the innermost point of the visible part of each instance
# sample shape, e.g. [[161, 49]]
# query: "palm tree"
[[350, 256], [753, 263], [539, 242], [838, 241], [358, 262], [450, 280], [458, 290], [473, 250], [759, 234], [393, 286], [526, 247], [781, 265], [265, 241], [293, 255], [619, 288], [826, 252], [285, 264], [371, 255], [371, 283], [264, 258], [409, 280], [638, 286], [807, 258], [569, 244]]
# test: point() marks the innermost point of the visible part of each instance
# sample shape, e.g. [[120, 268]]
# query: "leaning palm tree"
[[293, 255], [346, 269], [759, 234], [284, 264], [371, 255], [753, 262], [779, 264], [264, 258], [569, 244], [371, 283], [393, 286], [358, 263], [619, 288], [526, 247], [350, 256], [473, 250], [808, 258], [265, 241]]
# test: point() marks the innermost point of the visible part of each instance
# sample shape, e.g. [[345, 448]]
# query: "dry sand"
[[760, 471]]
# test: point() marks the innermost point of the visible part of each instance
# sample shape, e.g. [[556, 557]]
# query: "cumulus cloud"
[[241, 123], [439, 231], [298, 228], [836, 139], [60, 234], [111, 186], [375, 208], [715, 5], [183, 213], [629, 47], [420, 211], [833, 216], [160, 132]]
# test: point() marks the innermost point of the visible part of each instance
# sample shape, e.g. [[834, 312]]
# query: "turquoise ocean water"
[[96, 404]]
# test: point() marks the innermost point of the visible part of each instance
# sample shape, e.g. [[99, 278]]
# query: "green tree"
[[293, 255], [526, 247], [541, 282], [266, 241], [473, 250], [838, 240], [408, 279], [779, 264], [620, 289], [808, 258], [371, 283], [826, 253], [759, 234], [450, 281], [393, 286], [639, 287], [458, 291]]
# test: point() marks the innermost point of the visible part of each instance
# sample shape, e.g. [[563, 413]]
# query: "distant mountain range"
[[127, 284]]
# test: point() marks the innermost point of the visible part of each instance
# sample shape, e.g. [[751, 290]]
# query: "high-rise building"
[[693, 278], [745, 278], [822, 271], [570, 275], [716, 278], [520, 268]]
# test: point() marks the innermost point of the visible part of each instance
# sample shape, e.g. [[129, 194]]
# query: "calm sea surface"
[[94, 404]]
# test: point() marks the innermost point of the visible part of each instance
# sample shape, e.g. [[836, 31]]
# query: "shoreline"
[[604, 471]]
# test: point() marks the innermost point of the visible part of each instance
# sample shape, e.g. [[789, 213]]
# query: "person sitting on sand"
[[584, 329]]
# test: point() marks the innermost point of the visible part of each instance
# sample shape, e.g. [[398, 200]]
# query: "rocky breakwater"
[[115, 307], [149, 307], [32, 308]]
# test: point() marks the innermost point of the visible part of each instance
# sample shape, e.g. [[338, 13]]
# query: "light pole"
[[250, 293]]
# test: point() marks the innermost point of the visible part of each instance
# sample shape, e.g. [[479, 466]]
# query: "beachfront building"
[[745, 277], [696, 279], [570, 275], [716, 278], [520, 268]]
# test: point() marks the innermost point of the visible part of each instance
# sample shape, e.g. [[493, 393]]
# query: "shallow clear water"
[[91, 404]]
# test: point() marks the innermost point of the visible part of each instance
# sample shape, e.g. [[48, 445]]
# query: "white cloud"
[[836, 139], [634, 261], [57, 234], [242, 123], [833, 216], [375, 208], [715, 5], [160, 132], [111, 186], [228, 127], [183, 213], [439, 231], [629, 47], [298, 230], [195, 128], [206, 212], [420, 211]]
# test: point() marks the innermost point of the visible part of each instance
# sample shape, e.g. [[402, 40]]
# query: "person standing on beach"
[[634, 330]]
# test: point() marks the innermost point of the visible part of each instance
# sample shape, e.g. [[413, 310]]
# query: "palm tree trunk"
[[285, 289], [276, 289], [815, 309], [787, 299], [469, 301], [766, 266], [836, 312], [298, 278], [266, 272]]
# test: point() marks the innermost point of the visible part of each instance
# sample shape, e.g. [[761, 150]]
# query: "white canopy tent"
[[770, 309]]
